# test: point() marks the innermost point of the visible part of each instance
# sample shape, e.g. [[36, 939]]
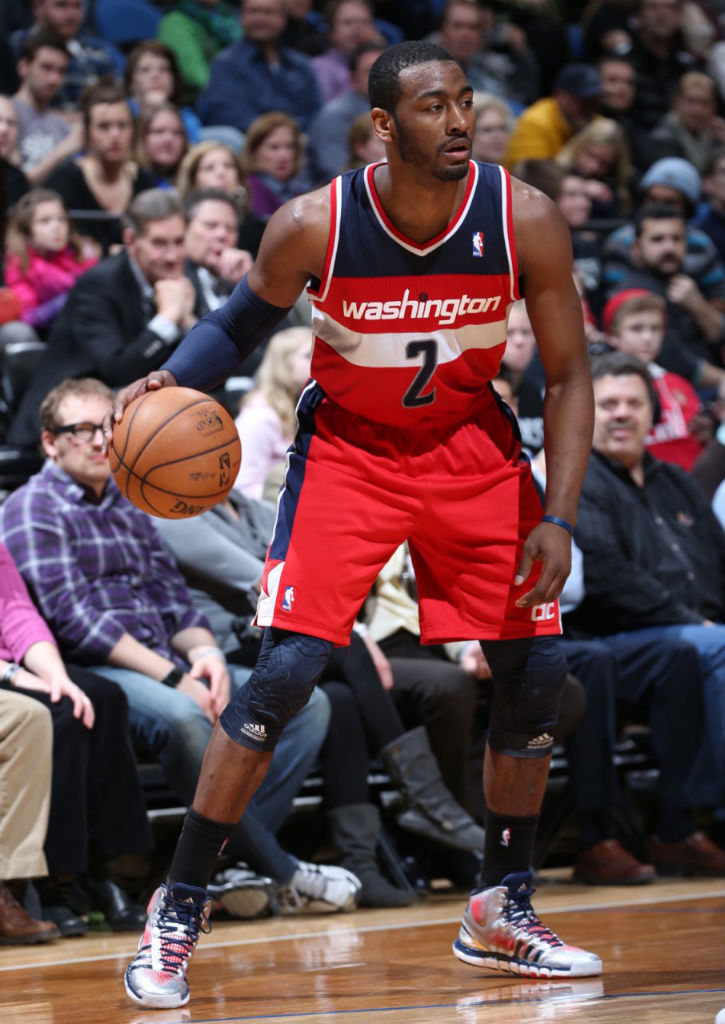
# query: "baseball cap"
[[675, 172], [580, 80]]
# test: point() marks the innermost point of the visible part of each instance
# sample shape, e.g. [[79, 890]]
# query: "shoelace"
[[521, 913], [177, 945]]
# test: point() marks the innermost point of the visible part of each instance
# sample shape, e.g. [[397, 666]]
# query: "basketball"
[[175, 453]]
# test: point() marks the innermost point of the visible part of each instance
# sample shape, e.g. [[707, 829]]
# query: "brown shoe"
[[608, 863], [17, 927], [695, 855]]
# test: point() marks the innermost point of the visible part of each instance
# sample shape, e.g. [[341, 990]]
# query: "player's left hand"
[[213, 669], [551, 545]]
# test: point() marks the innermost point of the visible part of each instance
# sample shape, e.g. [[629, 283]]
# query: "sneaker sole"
[[245, 904], [511, 965], [156, 1002]]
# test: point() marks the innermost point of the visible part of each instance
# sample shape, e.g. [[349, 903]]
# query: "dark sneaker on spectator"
[[608, 863], [695, 855], [242, 893]]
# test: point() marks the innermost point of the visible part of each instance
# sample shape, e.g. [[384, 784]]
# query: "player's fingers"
[[528, 555]]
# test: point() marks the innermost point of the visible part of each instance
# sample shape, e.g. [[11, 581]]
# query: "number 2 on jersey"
[[428, 348]]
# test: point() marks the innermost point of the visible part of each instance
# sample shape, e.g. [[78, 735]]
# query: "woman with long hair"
[[267, 419], [161, 142], [152, 77], [273, 160], [600, 154]]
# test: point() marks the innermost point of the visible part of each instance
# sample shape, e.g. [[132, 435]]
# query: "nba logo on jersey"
[[289, 599], [478, 243]]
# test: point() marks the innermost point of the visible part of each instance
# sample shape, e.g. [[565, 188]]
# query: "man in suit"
[[213, 262], [124, 316]]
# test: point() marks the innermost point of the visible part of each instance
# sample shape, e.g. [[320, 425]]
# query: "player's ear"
[[383, 123]]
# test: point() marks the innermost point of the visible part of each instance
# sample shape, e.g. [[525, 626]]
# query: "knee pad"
[[528, 679], [287, 669]]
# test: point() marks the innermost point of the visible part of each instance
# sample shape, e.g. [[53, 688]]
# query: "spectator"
[[13, 181], [690, 130], [511, 71], [634, 320], [517, 358], [600, 154], [71, 532], [267, 421], [710, 216], [709, 470], [658, 60], [45, 138], [350, 26], [213, 165], [695, 325], [45, 256], [257, 73], [273, 160], [195, 31], [647, 522], [104, 178], [545, 127], [128, 314], [607, 27], [161, 143], [671, 181], [152, 77], [494, 124], [97, 809], [363, 143], [25, 760], [213, 263], [327, 150], [91, 58]]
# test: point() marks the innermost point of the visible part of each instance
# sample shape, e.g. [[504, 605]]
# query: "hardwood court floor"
[[661, 945]]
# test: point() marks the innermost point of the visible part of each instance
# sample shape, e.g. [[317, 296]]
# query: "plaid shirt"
[[96, 571], [90, 59]]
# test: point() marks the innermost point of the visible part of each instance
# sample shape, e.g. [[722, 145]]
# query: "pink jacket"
[[43, 287], [21, 624]]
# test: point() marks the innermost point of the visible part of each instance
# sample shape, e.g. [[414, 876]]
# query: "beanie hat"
[[677, 173], [613, 305]]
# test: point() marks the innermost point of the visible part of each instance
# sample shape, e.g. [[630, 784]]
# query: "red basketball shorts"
[[354, 490]]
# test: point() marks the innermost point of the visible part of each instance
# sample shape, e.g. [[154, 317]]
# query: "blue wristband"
[[559, 522]]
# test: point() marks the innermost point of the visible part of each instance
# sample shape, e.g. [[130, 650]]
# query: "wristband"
[[9, 673], [559, 522], [173, 677], [217, 651]]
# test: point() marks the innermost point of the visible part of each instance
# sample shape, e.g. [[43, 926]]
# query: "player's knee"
[[524, 710], [283, 679]]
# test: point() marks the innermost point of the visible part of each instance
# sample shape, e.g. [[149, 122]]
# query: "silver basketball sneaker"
[[501, 931], [157, 974]]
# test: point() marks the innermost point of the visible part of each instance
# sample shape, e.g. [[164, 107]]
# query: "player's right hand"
[[152, 382]]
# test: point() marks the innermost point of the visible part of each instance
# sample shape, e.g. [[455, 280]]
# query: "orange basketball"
[[175, 453]]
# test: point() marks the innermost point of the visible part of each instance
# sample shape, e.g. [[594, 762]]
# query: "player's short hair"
[[150, 205], [622, 364], [384, 88], [49, 419]]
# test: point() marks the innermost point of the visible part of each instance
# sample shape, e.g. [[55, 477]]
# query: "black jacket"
[[101, 332], [653, 555]]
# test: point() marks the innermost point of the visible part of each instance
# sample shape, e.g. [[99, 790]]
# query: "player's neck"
[[418, 205]]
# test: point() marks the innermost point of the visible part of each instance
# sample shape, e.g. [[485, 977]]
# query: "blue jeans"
[[707, 782], [171, 726]]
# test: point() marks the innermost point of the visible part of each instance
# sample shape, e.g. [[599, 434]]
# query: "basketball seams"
[[157, 430]]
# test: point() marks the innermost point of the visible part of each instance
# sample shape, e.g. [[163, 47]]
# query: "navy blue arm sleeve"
[[217, 344]]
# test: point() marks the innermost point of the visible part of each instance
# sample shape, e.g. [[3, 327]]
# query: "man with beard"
[[693, 345], [410, 267]]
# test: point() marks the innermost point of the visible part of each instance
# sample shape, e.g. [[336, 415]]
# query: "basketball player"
[[410, 268]]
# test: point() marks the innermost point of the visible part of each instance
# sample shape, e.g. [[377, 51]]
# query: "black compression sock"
[[509, 846], [200, 843]]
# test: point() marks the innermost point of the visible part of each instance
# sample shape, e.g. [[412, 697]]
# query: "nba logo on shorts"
[[505, 837], [289, 599], [478, 243]]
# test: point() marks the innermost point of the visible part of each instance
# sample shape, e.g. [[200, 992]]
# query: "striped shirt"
[[96, 570]]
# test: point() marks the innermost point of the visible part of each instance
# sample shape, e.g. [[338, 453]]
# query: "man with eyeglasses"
[[114, 598]]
